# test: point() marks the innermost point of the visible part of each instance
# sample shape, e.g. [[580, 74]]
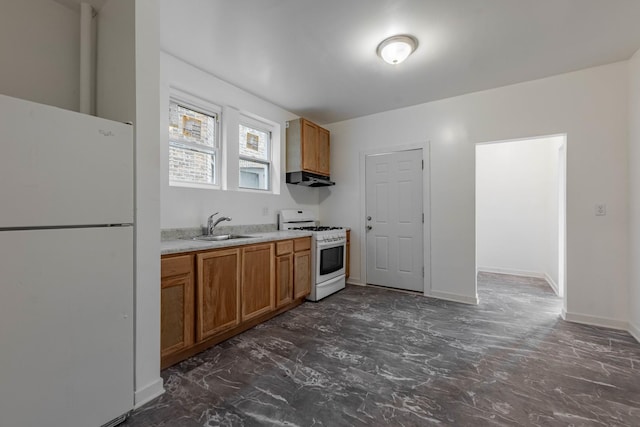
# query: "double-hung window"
[[194, 156], [254, 154]]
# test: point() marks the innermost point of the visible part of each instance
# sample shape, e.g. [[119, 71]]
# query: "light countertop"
[[183, 245]]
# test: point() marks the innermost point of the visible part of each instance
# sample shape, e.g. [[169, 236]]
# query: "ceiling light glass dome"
[[396, 49]]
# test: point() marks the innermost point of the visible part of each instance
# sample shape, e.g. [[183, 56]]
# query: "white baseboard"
[[595, 320], [511, 271], [149, 392], [634, 331], [465, 299], [433, 294], [553, 284], [523, 273]]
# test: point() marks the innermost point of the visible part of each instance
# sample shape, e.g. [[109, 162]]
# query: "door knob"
[[369, 227], [368, 218]]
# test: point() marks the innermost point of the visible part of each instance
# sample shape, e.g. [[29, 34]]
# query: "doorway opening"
[[521, 210], [394, 228]]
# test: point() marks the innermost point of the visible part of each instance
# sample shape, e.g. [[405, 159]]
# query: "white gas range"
[[328, 251]]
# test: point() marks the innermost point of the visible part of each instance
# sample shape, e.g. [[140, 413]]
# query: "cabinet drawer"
[[302, 244], [174, 266], [284, 247]]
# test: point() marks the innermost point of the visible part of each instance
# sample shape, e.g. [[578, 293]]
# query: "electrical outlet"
[[601, 209], [265, 211]]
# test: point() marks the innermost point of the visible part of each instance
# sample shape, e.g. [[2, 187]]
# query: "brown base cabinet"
[[293, 271], [258, 291], [218, 291], [284, 273], [210, 296], [176, 304], [302, 268]]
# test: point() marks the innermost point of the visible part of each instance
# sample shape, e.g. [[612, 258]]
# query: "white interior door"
[[394, 220]]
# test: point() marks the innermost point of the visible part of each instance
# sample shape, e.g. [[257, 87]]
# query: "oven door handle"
[[325, 245]]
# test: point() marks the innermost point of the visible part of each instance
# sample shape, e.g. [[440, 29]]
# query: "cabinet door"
[[218, 292], [177, 316], [324, 152], [309, 144], [258, 280], [284, 280], [302, 274]]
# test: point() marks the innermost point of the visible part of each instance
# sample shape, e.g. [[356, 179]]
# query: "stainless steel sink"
[[218, 237]]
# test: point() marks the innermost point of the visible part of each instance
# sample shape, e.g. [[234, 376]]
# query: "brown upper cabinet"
[[308, 147], [324, 152]]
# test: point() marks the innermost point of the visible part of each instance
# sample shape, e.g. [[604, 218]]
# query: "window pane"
[[254, 143], [191, 126], [191, 166], [254, 175]]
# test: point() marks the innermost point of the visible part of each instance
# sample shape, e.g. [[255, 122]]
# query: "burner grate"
[[317, 228]]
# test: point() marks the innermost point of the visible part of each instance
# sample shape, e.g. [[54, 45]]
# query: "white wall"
[[115, 61], [634, 194], [128, 82], [517, 207], [40, 51], [148, 380], [189, 207], [590, 106]]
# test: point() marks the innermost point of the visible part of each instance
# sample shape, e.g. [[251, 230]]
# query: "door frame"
[[563, 288], [426, 207]]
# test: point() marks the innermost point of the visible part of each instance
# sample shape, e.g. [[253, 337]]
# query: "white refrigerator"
[[66, 267]]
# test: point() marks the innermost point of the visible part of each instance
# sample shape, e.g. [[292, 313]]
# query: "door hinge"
[[423, 217], [423, 165], [422, 271]]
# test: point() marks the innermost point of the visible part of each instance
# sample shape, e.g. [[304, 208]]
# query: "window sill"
[[184, 184], [254, 190]]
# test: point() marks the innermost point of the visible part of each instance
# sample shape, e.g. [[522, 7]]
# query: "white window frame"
[[252, 123], [204, 107]]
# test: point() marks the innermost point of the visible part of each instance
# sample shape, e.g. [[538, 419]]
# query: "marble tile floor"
[[373, 357]]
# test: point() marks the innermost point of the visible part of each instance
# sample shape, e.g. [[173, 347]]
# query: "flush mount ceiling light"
[[396, 49]]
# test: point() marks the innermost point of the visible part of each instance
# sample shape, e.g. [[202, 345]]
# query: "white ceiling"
[[317, 58]]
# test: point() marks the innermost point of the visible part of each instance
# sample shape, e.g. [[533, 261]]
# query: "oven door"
[[330, 260]]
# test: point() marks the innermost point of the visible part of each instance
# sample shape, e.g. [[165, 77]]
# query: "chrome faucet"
[[211, 225]]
